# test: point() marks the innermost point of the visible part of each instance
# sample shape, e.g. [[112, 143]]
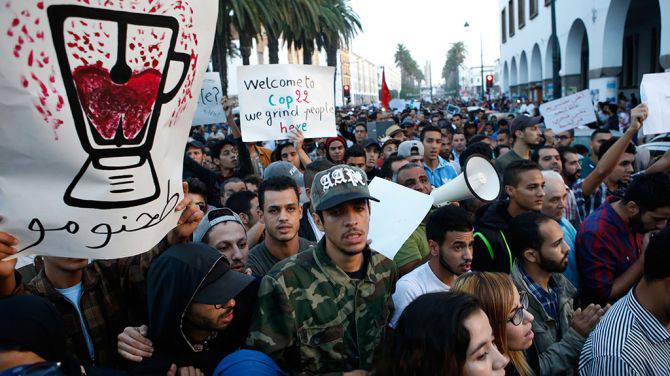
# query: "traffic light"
[[346, 90], [489, 81]]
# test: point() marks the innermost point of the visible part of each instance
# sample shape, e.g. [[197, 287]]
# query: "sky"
[[427, 28]]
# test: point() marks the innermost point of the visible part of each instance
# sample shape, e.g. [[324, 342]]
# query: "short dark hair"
[[478, 138], [457, 114], [230, 180], [657, 257], [563, 150], [240, 202], [354, 152], [276, 184], [446, 219], [535, 155], [480, 148], [581, 149], [196, 186], [630, 148], [253, 179], [429, 128], [499, 148], [514, 169], [216, 148], [387, 167], [524, 232], [649, 192], [314, 168], [276, 154], [361, 125], [503, 121], [503, 131], [600, 131]]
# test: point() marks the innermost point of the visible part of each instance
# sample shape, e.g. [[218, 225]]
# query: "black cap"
[[369, 142], [221, 284], [522, 122], [195, 144]]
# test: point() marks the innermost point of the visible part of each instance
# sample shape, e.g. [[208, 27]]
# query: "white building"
[[604, 45], [470, 79]]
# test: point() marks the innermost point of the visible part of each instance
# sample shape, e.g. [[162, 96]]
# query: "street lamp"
[[556, 64], [481, 56]]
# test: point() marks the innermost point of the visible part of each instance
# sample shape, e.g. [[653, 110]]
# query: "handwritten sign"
[[96, 120], [275, 99], [210, 110], [569, 112], [655, 92]]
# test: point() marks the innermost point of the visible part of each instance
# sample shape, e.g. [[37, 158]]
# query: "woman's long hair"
[[430, 338], [495, 292]]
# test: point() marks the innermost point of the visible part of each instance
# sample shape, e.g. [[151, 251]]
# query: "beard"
[[445, 264], [637, 225], [553, 266]]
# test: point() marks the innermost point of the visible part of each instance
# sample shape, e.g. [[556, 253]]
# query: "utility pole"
[[556, 63]]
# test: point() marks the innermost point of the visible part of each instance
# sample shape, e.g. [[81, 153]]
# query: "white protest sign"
[[210, 109], [394, 218], [97, 109], [398, 104], [568, 112], [655, 92], [276, 98]]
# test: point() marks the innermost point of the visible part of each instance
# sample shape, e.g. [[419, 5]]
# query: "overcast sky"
[[427, 28]]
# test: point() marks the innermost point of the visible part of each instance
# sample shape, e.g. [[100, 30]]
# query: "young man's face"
[[356, 162], [360, 133], [458, 142], [455, 253], [650, 220], [549, 137], [503, 139], [289, 154], [597, 141], [531, 135], [281, 214], [228, 158], [572, 168], [553, 254], [346, 226], [230, 239], [255, 211], [556, 196], [623, 170], [230, 188], [416, 179], [445, 149], [208, 317], [371, 157], [549, 159], [196, 154], [432, 142], [399, 136], [199, 201], [336, 151], [416, 159], [565, 139], [389, 149], [529, 192]]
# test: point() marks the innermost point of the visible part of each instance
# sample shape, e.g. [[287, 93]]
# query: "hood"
[[495, 216], [172, 281]]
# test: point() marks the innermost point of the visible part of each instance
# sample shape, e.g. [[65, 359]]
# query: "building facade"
[[605, 46], [470, 80]]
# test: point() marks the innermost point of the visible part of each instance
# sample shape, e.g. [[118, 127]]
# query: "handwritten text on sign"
[[210, 110], [275, 99], [569, 112]]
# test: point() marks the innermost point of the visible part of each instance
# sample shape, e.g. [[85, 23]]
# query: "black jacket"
[[306, 231], [491, 249]]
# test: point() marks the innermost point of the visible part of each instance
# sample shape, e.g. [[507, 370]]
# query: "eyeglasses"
[[518, 315]]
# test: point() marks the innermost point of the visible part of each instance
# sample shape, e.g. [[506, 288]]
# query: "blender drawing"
[[114, 66]]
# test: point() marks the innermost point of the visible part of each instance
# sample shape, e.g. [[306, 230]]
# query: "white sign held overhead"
[[97, 105], [210, 110], [394, 218], [569, 112], [655, 92], [277, 98]]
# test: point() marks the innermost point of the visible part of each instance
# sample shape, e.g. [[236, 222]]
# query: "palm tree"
[[297, 19], [409, 69], [455, 58], [340, 25]]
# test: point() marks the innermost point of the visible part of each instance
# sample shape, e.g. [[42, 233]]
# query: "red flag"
[[386, 94]]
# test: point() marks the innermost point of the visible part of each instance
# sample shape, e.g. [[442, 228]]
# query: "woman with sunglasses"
[[510, 320]]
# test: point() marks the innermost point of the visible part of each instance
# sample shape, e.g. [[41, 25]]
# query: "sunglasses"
[[518, 314]]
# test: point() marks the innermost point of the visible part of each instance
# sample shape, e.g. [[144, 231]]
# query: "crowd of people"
[[270, 272]]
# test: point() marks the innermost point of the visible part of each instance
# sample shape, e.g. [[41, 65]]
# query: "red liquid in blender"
[[107, 103]]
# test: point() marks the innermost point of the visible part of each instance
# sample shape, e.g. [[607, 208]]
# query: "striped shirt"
[[629, 340]]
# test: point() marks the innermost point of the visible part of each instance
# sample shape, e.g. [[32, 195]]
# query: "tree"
[[338, 27], [409, 70], [455, 58]]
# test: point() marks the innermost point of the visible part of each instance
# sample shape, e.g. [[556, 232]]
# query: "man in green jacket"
[[324, 310], [541, 255]]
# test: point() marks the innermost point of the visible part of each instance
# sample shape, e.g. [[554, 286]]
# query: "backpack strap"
[[486, 243]]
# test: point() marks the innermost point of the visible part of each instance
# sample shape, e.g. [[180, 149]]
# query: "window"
[[532, 7], [510, 7], [503, 22], [522, 13]]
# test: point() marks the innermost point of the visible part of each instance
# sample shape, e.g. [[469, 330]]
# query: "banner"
[[277, 98], [210, 110], [655, 92], [97, 98], [568, 112]]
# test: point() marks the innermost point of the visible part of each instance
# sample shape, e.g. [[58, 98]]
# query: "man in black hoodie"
[[191, 296], [524, 185]]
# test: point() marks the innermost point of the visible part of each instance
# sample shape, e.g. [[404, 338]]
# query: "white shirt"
[[317, 233], [73, 294], [419, 281]]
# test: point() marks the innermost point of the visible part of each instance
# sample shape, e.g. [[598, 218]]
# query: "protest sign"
[[377, 129], [655, 92], [453, 109], [97, 109], [394, 218], [568, 112], [277, 98], [210, 110], [398, 104]]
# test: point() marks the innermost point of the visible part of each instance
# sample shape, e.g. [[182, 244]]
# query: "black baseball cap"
[[369, 142], [522, 122]]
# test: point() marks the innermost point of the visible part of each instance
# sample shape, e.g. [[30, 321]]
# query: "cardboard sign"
[[275, 99], [453, 109], [568, 112], [394, 218], [210, 110], [655, 92], [377, 129], [95, 121]]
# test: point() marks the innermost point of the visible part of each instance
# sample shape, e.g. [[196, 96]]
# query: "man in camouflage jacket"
[[325, 310]]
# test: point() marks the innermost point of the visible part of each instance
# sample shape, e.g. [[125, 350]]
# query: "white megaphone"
[[479, 179]]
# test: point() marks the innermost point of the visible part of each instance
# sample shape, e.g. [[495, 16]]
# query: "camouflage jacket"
[[307, 307]]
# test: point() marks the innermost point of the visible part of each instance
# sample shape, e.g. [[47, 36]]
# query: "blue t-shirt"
[[569, 234], [73, 294], [442, 173]]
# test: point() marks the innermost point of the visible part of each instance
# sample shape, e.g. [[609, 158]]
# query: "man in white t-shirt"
[[450, 240]]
